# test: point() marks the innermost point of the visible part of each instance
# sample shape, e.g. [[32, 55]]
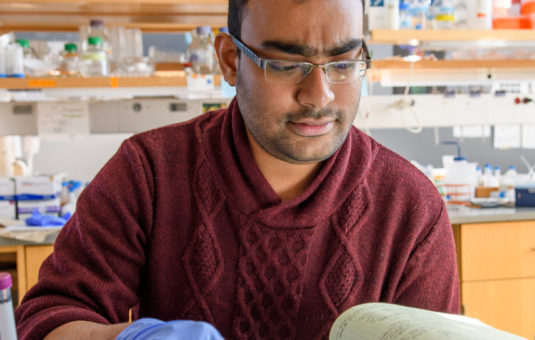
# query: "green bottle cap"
[[71, 47], [25, 43], [94, 41]]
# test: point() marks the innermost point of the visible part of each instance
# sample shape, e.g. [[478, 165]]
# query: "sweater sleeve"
[[94, 272], [430, 280]]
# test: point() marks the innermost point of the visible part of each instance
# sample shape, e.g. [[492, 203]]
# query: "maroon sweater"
[[181, 224]]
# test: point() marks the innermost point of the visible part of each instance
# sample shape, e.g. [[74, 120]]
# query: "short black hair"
[[236, 10]]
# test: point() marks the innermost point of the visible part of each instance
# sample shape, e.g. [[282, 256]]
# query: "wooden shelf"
[[103, 82], [454, 64], [68, 15], [418, 36]]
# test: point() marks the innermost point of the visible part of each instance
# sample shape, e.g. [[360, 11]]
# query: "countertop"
[[461, 214], [458, 214]]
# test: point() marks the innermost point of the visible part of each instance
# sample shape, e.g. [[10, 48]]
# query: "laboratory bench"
[[496, 261]]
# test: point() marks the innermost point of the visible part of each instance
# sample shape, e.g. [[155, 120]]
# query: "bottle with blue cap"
[[7, 318], [461, 177]]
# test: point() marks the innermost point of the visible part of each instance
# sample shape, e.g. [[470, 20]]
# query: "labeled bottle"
[[443, 14], [483, 15], [418, 10], [405, 19], [95, 59], [7, 318], [69, 61], [200, 53], [96, 28], [392, 14]]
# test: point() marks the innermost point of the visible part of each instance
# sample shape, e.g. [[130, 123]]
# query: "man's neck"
[[288, 180]]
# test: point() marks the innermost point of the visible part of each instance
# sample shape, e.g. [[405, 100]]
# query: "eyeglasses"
[[294, 72]]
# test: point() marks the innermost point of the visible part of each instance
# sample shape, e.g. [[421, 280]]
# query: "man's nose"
[[314, 91]]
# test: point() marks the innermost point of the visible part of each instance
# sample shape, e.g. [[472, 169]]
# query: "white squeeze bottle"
[[7, 318]]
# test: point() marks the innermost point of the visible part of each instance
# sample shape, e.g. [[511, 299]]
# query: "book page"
[[383, 321]]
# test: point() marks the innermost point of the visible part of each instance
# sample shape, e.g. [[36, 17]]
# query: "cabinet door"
[[35, 255], [508, 305], [504, 250]]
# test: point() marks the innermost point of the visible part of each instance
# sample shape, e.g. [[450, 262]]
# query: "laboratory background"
[[451, 89]]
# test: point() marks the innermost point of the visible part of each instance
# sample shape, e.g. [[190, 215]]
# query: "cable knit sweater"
[[181, 224]]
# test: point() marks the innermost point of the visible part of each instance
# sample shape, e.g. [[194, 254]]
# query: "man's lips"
[[311, 128]]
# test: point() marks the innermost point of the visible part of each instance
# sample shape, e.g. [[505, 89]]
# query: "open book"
[[383, 321]]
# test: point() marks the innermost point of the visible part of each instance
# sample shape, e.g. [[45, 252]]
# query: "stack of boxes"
[[21, 196], [7, 198]]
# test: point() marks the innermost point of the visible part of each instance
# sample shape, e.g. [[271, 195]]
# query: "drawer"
[[500, 250]]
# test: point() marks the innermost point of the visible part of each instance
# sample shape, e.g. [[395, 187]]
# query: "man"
[[266, 220]]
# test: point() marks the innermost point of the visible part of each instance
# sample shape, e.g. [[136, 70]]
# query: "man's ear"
[[228, 57]]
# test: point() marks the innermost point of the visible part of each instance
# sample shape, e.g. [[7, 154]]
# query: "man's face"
[[308, 121]]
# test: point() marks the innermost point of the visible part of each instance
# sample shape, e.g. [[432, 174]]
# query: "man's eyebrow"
[[290, 48], [346, 47], [308, 51]]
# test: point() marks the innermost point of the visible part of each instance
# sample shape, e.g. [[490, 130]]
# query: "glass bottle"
[[7, 318], [70, 61], [443, 14], [200, 53], [418, 10], [95, 59]]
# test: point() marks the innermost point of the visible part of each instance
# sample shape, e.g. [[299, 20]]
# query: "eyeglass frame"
[[262, 62]]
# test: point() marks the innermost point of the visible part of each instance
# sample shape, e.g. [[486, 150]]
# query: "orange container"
[[528, 10], [521, 22]]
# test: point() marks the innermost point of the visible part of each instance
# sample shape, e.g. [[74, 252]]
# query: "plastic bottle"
[[14, 61], [3, 73], [95, 59], [392, 14], [69, 61], [461, 178], [487, 175], [496, 177], [7, 318], [483, 15], [500, 8], [443, 14], [200, 52], [507, 183], [479, 176], [405, 20], [418, 10]]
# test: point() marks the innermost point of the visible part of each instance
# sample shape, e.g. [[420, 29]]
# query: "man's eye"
[[343, 66], [283, 67]]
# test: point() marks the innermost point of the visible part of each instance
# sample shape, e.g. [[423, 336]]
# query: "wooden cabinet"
[[28, 259], [497, 273], [35, 255]]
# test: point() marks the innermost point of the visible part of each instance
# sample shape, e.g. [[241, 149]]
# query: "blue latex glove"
[[153, 329], [38, 220]]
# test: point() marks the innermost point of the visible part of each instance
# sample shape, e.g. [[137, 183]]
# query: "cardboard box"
[[40, 193], [525, 197], [45, 207], [7, 198], [38, 188]]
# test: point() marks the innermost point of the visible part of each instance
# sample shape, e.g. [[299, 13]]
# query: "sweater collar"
[[233, 167]]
